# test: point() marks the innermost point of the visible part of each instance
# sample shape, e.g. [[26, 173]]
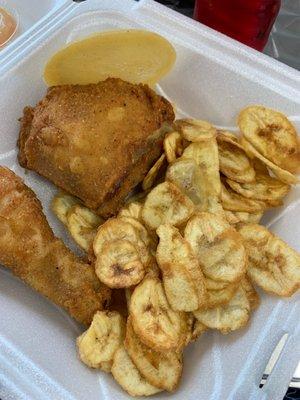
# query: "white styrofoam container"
[[214, 77]]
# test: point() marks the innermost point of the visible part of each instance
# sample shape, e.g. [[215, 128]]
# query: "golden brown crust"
[[95, 141], [26, 121], [29, 248]]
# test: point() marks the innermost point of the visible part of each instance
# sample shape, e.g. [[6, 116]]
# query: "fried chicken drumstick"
[[30, 250]]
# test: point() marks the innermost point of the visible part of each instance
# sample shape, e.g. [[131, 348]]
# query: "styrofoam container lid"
[[213, 78]]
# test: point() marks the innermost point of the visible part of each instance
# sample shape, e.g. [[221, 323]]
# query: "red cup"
[[249, 21]]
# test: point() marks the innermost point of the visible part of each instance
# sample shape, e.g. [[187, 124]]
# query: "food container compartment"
[[214, 77], [31, 15]]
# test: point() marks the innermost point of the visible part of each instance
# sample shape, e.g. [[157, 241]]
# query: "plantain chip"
[[220, 297], [166, 204], [218, 246], [153, 173], [133, 210], [234, 162], [173, 146], [282, 174], [229, 317], [235, 217], [197, 330], [196, 130], [228, 135], [128, 377], [231, 217], [82, 224], [186, 174], [61, 204], [154, 321], [161, 369], [233, 201], [119, 265], [142, 231], [121, 229], [263, 188], [205, 155], [272, 135], [273, 264], [181, 273], [98, 344], [251, 293]]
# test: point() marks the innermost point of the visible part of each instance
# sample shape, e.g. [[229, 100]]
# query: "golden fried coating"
[[29, 248], [95, 141]]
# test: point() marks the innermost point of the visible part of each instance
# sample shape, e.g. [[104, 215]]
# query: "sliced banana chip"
[[161, 369], [173, 146], [233, 201], [219, 297], [272, 135], [120, 229], [231, 217], [218, 292], [187, 175], [196, 130], [230, 317], [133, 210], [235, 217], [197, 330], [82, 224], [229, 135], [263, 188], [282, 174], [142, 231], [182, 276], [98, 344], [166, 204], [149, 238], [128, 376], [218, 246], [205, 154], [61, 204], [153, 320], [119, 264], [153, 269], [273, 264], [234, 162], [251, 293], [249, 218], [215, 285], [153, 173]]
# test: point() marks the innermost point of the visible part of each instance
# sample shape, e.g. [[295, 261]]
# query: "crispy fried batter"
[[95, 141], [29, 248]]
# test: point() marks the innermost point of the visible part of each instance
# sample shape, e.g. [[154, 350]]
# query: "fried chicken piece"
[[95, 141], [29, 248]]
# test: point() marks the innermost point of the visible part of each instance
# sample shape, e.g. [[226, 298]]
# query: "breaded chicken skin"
[[29, 248], [95, 141]]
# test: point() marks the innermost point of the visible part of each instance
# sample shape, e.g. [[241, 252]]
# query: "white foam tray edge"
[[251, 75]]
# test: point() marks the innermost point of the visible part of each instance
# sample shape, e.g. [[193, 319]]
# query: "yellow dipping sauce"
[[132, 55], [7, 26]]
